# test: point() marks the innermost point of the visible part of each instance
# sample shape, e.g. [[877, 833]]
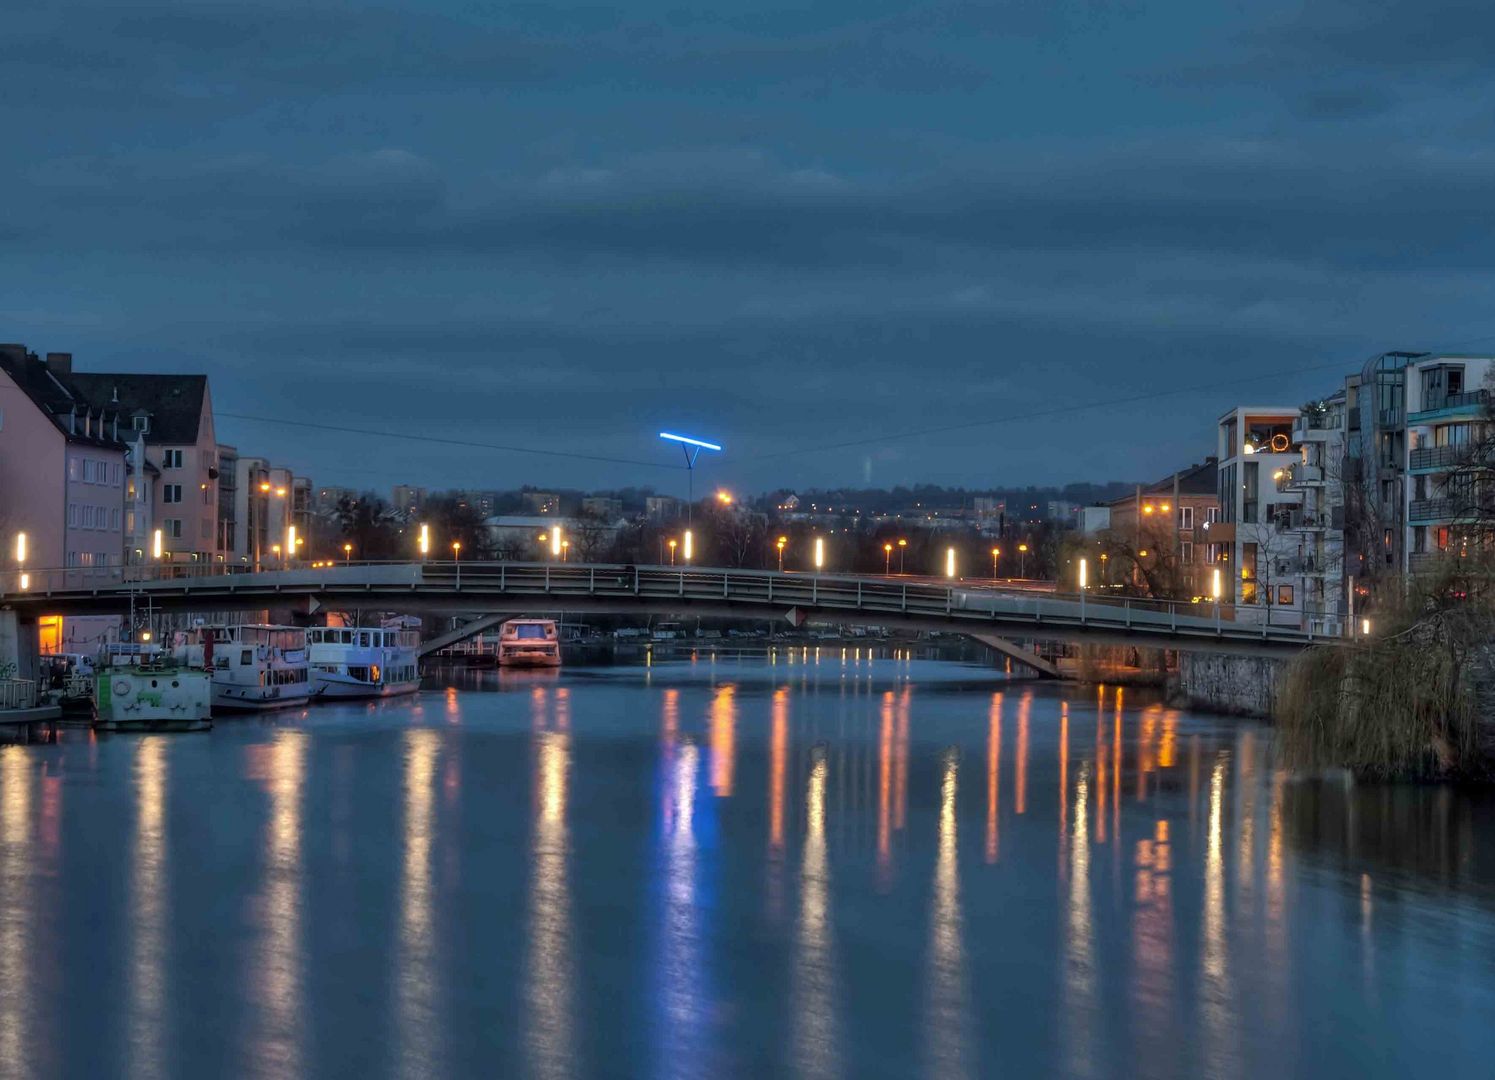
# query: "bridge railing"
[[959, 600]]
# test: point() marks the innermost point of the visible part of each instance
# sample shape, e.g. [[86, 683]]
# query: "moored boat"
[[139, 688], [529, 643], [254, 666], [362, 662]]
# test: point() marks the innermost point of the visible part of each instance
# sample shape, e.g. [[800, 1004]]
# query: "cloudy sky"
[[1044, 240]]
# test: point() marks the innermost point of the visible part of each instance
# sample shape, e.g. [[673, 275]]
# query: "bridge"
[[989, 612]]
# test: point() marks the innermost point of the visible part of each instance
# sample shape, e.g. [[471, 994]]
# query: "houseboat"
[[254, 666], [139, 688], [529, 643], [363, 662]]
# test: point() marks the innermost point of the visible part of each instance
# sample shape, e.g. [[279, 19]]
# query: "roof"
[[56, 395], [174, 402], [1196, 480]]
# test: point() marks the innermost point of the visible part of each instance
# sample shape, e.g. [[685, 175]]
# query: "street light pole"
[[902, 547], [887, 559]]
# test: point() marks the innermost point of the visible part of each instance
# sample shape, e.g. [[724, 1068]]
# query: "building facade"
[[1258, 541], [173, 416]]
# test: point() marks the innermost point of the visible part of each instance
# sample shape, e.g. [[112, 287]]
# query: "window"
[[114, 519], [72, 515], [1211, 514], [1284, 594], [142, 423], [171, 459], [171, 493], [72, 468], [130, 522], [1185, 517], [172, 527], [1186, 553]]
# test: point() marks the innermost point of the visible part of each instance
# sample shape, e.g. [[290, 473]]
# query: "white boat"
[[139, 688], [255, 666], [363, 662], [529, 643]]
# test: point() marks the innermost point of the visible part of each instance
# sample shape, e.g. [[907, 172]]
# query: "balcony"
[[1441, 406], [1425, 510], [1431, 458], [1297, 566], [1300, 476], [1389, 418], [1315, 426], [1302, 521]]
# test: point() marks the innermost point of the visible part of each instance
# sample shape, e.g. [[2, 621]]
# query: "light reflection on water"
[[817, 864]]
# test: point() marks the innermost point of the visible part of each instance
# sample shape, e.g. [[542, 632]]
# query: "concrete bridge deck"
[[494, 587]]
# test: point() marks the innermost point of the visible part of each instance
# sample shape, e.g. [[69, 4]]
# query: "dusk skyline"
[[570, 227]]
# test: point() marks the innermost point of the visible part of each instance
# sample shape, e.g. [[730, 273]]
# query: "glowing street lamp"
[[673, 542], [887, 558], [275, 550], [724, 497], [950, 562], [557, 541], [1084, 580], [347, 552], [291, 541], [819, 552], [25, 578], [157, 544], [457, 555], [692, 448], [996, 553], [690, 545], [1022, 566], [780, 545], [424, 543], [902, 548], [565, 551]]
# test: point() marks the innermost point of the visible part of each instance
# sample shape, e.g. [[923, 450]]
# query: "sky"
[[868, 243]]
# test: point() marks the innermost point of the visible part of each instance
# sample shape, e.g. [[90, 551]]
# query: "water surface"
[[807, 865]]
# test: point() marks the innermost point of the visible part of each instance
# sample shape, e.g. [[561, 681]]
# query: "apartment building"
[[173, 416], [1314, 533], [63, 469], [1410, 418], [1257, 541]]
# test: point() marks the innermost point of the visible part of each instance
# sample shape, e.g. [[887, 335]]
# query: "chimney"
[[61, 363]]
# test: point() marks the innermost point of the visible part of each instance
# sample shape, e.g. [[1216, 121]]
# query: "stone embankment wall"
[[1224, 683]]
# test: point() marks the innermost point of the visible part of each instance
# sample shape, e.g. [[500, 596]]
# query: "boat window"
[[363, 639], [529, 631], [246, 658]]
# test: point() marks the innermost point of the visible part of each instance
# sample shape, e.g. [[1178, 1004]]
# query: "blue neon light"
[[689, 441]]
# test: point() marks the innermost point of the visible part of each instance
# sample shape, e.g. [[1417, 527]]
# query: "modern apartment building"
[[266, 497], [1258, 541], [1410, 418], [173, 416], [1314, 532]]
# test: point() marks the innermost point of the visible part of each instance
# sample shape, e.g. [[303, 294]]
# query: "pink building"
[[62, 480], [173, 416]]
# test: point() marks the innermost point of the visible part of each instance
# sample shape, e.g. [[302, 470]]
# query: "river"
[[817, 864]]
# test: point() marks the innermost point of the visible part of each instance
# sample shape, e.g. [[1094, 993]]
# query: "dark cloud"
[[787, 225]]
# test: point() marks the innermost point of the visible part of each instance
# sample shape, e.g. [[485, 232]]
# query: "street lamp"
[[780, 545], [424, 543], [819, 552], [25, 578], [457, 555], [291, 541], [887, 559], [275, 549], [673, 542], [157, 546], [949, 562], [347, 553], [557, 541], [1214, 591], [996, 553], [692, 448], [1084, 580], [690, 545], [1022, 566], [902, 548], [565, 551]]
